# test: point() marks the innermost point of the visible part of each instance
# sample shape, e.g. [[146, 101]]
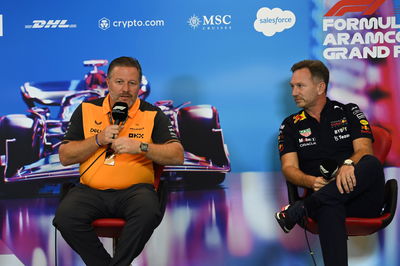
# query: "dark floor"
[[228, 225]]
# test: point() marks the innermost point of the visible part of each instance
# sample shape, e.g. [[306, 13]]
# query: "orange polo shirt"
[[145, 123]]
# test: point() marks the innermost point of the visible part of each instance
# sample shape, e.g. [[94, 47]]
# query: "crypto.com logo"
[[104, 23], [367, 7]]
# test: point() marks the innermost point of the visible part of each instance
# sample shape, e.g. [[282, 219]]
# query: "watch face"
[[144, 147], [348, 162]]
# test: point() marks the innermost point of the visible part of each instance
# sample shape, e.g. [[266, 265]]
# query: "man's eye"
[[119, 81], [132, 83]]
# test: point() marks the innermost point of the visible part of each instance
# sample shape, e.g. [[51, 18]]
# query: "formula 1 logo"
[[367, 7], [51, 23]]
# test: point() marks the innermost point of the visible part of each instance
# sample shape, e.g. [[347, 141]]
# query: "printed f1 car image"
[[29, 142]]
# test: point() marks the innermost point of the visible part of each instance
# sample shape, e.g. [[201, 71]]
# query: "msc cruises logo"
[[50, 24], [367, 7], [211, 22], [194, 21]]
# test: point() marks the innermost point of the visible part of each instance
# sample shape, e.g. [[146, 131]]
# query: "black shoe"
[[290, 215]]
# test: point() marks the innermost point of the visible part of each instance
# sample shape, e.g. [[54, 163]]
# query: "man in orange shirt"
[[122, 185]]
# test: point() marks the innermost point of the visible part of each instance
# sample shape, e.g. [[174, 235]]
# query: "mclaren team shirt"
[[145, 123], [331, 138]]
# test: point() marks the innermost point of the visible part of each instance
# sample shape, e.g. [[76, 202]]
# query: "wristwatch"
[[144, 147], [348, 162]]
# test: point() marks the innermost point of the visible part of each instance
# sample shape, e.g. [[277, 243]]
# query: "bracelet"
[[97, 140]]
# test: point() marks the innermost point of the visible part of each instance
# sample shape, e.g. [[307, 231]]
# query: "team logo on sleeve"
[[357, 112], [172, 132], [299, 117], [280, 147], [365, 126]]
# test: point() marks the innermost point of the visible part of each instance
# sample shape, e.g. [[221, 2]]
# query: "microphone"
[[328, 168], [119, 112]]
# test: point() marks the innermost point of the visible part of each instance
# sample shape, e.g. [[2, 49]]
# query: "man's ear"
[[321, 88]]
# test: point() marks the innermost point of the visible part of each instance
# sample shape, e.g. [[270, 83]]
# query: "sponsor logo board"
[[271, 21], [210, 22]]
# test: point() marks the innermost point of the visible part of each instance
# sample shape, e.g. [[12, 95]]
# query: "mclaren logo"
[[367, 7]]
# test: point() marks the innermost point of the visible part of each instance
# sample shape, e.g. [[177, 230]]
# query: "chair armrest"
[[293, 193]]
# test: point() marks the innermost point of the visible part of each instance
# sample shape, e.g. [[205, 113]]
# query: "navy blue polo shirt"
[[331, 138]]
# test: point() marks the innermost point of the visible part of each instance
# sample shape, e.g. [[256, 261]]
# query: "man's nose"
[[294, 91], [125, 87]]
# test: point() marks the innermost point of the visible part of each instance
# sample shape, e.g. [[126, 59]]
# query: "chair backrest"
[[158, 169], [383, 142]]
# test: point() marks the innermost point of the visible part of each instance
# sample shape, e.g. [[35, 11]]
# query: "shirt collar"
[[327, 106]]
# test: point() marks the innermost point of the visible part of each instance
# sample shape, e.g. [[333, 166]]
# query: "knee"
[[370, 165], [63, 218], [370, 161], [152, 214], [148, 216]]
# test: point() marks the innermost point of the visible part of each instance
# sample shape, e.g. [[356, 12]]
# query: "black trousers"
[[138, 205], [330, 208]]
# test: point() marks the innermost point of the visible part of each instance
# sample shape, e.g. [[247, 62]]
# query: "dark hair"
[[126, 62], [316, 67]]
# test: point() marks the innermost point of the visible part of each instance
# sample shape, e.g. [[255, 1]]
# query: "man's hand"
[[345, 179], [126, 145], [108, 135], [319, 183]]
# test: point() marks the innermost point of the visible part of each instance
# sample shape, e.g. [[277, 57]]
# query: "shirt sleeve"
[[358, 123], [286, 139], [163, 131], [75, 126]]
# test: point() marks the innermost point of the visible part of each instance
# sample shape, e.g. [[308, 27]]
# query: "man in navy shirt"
[[328, 130]]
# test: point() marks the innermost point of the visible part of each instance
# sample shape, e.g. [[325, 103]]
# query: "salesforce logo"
[[271, 21]]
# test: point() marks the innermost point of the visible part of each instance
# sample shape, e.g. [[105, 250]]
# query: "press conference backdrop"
[[235, 56]]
